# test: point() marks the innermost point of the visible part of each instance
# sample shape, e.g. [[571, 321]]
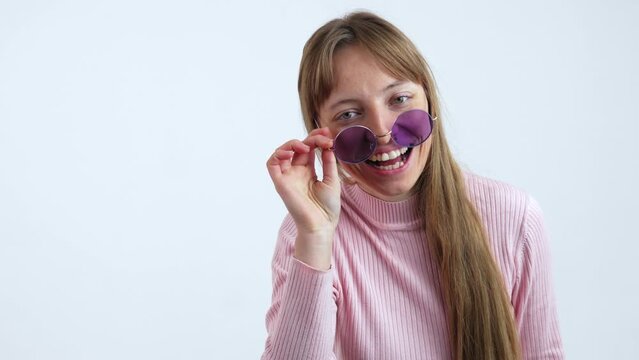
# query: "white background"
[[137, 219]]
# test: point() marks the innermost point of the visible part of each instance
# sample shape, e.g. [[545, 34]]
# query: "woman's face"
[[365, 94]]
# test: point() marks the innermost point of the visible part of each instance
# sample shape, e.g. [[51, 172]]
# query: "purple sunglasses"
[[357, 143]]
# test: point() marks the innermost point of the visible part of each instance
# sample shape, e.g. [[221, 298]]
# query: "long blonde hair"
[[480, 318]]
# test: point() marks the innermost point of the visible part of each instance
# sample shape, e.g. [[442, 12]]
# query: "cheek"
[[352, 169], [333, 130], [355, 171], [424, 151]]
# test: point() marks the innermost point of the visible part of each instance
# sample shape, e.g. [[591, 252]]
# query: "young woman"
[[396, 253]]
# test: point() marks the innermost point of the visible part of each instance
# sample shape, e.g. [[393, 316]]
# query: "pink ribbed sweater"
[[381, 299]]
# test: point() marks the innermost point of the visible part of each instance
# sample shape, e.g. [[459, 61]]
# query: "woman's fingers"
[[292, 168], [288, 150], [282, 155], [329, 167], [319, 140], [321, 131], [300, 153], [295, 145], [274, 165], [285, 156]]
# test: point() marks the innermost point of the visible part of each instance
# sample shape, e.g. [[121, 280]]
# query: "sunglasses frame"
[[390, 132]]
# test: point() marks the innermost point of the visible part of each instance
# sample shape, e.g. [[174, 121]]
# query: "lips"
[[385, 156], [390, 160]]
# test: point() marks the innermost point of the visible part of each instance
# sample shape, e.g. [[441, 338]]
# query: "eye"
[[347, 115], [401, 99]]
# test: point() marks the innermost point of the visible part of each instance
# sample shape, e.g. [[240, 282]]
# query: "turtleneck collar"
[[387, 214]]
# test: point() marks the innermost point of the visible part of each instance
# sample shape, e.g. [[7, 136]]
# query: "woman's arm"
[[302, 316], [533, 296]]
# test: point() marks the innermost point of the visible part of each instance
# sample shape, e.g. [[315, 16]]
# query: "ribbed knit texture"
[[382, 299]]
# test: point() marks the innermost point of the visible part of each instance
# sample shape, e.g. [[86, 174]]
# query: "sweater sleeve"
[[302, 317], [533, 295]]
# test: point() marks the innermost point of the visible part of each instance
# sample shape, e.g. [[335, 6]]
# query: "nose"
[[381, 122], [383, 138]]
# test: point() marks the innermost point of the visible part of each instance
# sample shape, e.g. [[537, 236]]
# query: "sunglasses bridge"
[[377, 136]]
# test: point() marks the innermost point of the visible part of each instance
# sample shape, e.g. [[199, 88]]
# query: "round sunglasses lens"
[[354, 144], [412, 128]]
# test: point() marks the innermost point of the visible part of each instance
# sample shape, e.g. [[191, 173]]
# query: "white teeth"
[[396, 165], [389, 155]]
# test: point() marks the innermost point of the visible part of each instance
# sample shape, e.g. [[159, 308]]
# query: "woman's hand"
[[313, 204]]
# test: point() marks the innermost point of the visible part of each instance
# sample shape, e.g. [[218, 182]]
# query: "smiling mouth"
[[384, 162]]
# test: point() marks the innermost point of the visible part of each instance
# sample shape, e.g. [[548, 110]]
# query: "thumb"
[[329, 166]]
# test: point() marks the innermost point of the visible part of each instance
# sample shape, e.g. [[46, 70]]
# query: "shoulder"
[[513, 221], [507, 211], [498, 202], [482, 190]]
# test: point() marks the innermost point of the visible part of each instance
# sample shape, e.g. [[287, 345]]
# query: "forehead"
[[356, 71]]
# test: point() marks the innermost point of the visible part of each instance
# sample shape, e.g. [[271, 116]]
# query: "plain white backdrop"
[[137, 219]]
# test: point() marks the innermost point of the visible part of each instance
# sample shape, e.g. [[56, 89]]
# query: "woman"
[[397, 253]]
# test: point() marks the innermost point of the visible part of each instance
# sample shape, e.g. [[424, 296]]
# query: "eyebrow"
[[392, 85]]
